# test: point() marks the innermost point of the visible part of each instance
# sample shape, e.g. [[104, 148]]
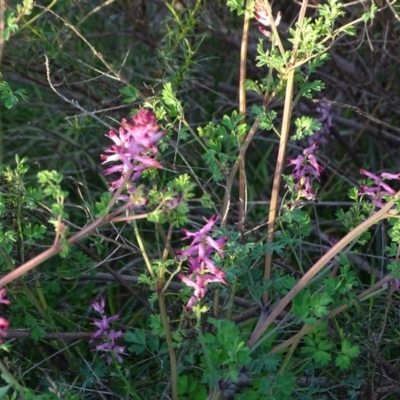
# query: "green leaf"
[[348, 349], [266, 117], [272, 362], [189, 388], [4, 389], [138, 338], [371, 14], [321, 357], [253, 86], [156, 325], [342, 361], [38, 333], [7, 378], [394, 268], [307, 88], [130, 93], [236, 5], [9, 97], [101, 207], [350, 30], [306, 126], [284, 385], [169, 97]]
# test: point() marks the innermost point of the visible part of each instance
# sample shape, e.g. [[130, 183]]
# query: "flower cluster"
[[380, 189], [4, 324], [202, 270], [109, 335], [264, 19], [305, 167], [134, 148]]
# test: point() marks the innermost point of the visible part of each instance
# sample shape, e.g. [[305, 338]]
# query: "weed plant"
[[181, 216]]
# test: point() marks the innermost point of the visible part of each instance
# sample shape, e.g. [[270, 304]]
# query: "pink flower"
[[109, 336], [305, 167], [103, 325], [202, 237], [380, 189], [202, 270], [99, 307], [134, 147], [110, 347], [264, 18]]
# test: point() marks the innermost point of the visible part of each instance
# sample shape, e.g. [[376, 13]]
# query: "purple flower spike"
[[202, 237], [103, 325], [202, 270], [380, 189], [99, 307], [134, 148], [108, 335], [305, 167], [111, 347]]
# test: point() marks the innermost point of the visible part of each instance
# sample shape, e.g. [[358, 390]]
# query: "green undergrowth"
[[78, 261]]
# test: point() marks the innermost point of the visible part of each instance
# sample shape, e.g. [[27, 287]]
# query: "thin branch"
[[280, 162]]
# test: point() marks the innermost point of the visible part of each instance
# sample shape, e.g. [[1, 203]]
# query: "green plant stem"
[[167, 240], [242, 111], [293, 347], [231, 298], [171, 350], [215, 392], [12, 381], [232, 174], [143, 249], [2, 31], [32, 20], [161, 286], [40, 293], [243, 149], [123, 378]]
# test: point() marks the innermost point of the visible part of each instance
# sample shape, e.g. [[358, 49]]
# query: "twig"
[[74, 103], [94, 51], [242, 111], [287, 112]]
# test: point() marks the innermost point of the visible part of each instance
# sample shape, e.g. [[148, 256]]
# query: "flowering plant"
[[267, 296], [134, 150], [202, 269], [109, 336]]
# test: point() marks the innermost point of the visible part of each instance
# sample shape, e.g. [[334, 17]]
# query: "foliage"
[[165, 273]]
